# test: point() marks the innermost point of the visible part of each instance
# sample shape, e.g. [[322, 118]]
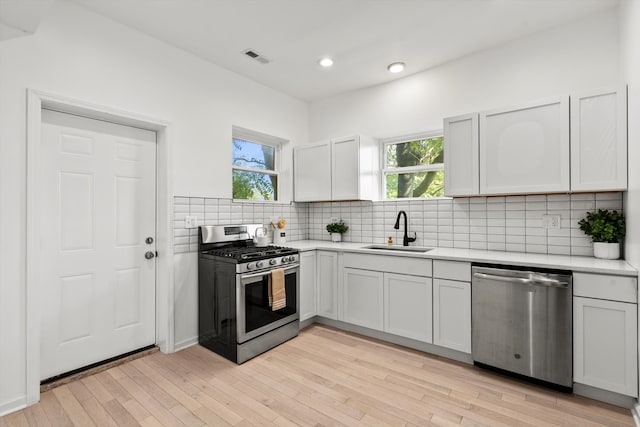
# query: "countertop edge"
[[580, 264]]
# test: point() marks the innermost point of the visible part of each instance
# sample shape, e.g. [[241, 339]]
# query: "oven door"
[[254, 316]]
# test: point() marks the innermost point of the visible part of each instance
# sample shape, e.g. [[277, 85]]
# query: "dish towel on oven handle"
[[277, 293]]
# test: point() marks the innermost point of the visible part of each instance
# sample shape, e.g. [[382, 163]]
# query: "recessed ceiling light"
[[326, 62], [396, 67]]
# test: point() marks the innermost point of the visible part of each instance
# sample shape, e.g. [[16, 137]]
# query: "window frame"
[[248, 135], [386, 142]]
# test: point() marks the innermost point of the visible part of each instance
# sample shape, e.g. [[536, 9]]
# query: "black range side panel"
[[217, 307]]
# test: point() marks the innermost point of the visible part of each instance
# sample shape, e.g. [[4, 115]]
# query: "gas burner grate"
[[250, 252]]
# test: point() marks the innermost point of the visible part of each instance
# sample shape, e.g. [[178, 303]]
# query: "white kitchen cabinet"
[[307, 285], [407, 306], [327, 284], [452, 314], [452, 305], [525, 149], [312, 172], [362, 298], [461, 151], [599, 140], [342, 169], [605, 345]]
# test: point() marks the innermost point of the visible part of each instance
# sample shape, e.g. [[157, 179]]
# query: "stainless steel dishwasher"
[[522, 322]]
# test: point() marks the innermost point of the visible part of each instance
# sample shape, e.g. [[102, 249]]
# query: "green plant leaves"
[[603, 225]]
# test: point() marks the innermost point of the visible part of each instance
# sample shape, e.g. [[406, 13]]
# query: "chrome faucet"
[[406, 239]]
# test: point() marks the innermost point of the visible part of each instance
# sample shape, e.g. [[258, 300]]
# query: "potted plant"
[[336, 229], [606, 229]]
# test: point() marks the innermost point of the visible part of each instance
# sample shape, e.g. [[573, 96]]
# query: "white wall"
[[77, 54], [580, 55], [630, 73]]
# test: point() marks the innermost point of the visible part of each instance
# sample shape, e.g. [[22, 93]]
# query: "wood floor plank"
[[36, 416], [72, 407], [324, 377]]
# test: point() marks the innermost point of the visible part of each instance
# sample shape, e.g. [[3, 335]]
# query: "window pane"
[[422, 184], [414, 153], [251, 155], [254, 185]]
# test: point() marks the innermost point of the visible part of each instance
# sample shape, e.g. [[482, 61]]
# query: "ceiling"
[[362, 36]]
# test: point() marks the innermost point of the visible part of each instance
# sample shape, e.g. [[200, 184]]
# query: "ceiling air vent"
[[255, 55]]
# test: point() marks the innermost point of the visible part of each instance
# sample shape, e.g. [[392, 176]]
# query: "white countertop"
[[563, 262]]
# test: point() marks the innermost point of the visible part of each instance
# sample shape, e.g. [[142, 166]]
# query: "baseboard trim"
[[13, 406], [635, 413], [395, 339], [185, 344], [610, 397]]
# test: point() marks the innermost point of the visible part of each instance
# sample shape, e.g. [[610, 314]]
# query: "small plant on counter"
[[336, 229], [604, 226]]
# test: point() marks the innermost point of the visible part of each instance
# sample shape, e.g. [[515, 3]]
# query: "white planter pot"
[[336, 237], [606, 250]]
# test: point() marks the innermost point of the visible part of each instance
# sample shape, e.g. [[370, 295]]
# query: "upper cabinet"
[[529, 149], [312, 172], [342, 169], [461, 176], [525, 149], [599, 140]]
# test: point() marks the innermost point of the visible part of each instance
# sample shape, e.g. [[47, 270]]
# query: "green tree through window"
[[414, 168], [254, 170]]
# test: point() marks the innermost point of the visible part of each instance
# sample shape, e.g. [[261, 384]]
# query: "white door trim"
[[36, 100]]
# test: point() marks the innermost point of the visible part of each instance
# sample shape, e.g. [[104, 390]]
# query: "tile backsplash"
[[507, 223], [211, 211], [511, 223]]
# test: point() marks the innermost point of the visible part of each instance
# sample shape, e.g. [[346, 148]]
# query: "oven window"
[[257, 310]]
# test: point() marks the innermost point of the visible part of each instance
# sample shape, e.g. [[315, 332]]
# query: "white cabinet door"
[[312, 172], [362, 296], [452, 314], [525, 149], [307, 285], [461, 176], [346, 169], [327, 284], [599, 141], [605, 345], [407, 306]]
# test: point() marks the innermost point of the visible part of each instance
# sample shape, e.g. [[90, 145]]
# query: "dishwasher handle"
[[535, 281]]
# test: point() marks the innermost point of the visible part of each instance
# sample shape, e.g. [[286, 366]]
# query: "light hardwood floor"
[[323, 377]]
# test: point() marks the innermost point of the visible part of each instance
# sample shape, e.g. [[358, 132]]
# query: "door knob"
[[148, 240], [149, 255]]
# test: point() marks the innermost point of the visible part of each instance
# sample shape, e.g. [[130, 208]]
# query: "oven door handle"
[[264, 273]]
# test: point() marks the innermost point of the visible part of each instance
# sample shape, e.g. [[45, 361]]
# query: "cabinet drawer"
[[389, 264], [452, 270], [614, 288]]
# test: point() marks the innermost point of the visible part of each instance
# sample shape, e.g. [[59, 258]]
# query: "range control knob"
[[285, 259], [251, 266], [273, 261], [292, 258], [259, 264]]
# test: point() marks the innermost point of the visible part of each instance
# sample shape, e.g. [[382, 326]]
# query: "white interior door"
[[97, 192]]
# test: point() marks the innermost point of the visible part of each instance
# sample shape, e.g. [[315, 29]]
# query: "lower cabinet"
[[307, 285], [362, 298], [327, 284], [452, 314], [605, 342], [407, 306]]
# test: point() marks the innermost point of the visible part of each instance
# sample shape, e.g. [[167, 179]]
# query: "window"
[[255, 159], [414, 166]]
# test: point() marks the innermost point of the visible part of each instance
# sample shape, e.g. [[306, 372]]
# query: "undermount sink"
[[396, 248]]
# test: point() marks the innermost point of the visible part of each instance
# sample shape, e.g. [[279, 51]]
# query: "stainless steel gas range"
[[235, 315]]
